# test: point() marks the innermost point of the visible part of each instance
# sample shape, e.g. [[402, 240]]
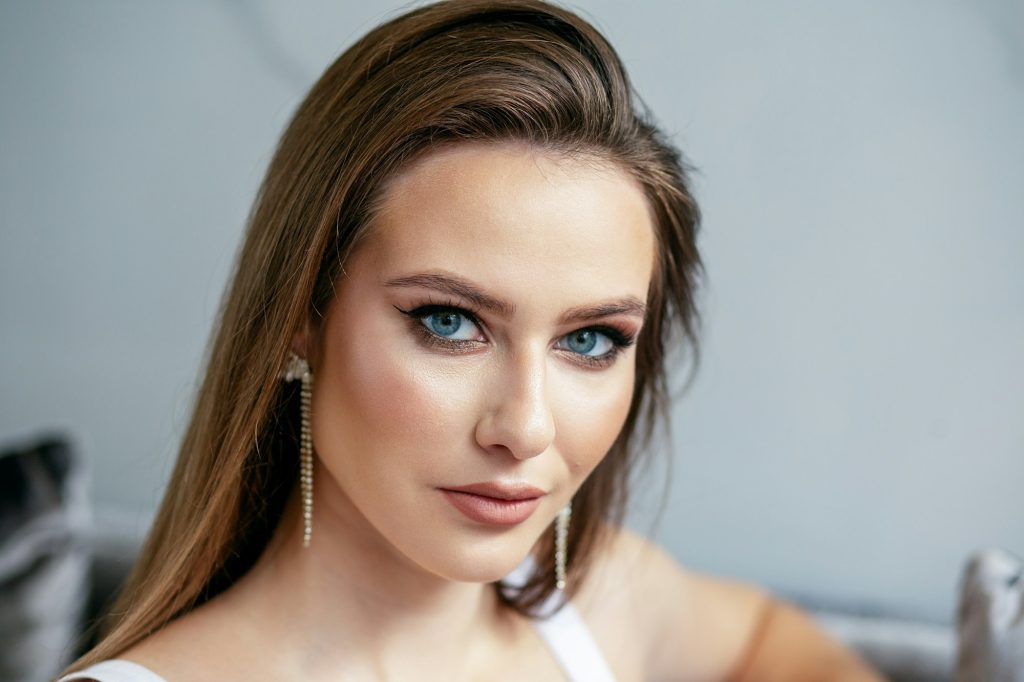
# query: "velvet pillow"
[[44, 561], [990, 619]]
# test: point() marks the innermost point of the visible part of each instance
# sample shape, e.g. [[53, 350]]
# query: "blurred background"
[[856, 425]]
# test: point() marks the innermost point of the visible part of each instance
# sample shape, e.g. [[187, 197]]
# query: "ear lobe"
[[302, 341]]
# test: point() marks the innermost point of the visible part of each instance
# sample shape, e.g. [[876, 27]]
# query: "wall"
[[855, 427]]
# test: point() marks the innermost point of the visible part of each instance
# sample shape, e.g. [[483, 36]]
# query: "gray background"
[[857, 424]]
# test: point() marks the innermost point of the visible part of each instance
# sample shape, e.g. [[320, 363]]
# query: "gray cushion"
[[990, 619], [44, 562]]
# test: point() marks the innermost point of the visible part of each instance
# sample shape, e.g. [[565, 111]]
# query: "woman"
[[440, 355]]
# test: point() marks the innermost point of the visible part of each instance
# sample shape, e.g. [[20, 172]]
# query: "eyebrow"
[[630, 305], [457, 286]]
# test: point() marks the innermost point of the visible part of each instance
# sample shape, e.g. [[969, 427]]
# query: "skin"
[[407, 400], [503, 398]]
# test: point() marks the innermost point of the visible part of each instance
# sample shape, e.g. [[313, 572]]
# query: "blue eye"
[[450, 324], [587, 341]]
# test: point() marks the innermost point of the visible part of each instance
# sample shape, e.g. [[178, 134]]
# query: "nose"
[[518, 419]]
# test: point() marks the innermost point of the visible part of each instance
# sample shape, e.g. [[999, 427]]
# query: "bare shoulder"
[[198, 646], [649, 613], [170, 651], [683, 624]]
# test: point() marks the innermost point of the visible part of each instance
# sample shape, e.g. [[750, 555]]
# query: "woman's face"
[[480, 334]]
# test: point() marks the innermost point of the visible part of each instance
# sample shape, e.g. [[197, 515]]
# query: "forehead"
[[519, 220]]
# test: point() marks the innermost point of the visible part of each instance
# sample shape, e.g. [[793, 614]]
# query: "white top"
[[115, 671], [569, 640], [565, 633]]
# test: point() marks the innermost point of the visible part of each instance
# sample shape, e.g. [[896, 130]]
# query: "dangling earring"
[[561, 540], [298, 368]]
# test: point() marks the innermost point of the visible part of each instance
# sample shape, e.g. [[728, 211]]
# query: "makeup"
[[475, 363], [494, 503]]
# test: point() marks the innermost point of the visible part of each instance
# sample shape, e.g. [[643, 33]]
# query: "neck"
[[351, 601]]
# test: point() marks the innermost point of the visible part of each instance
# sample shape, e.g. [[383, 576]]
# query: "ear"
[[304, 340]]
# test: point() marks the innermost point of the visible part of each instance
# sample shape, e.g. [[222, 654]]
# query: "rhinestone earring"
[[298, 369], [561, 540]]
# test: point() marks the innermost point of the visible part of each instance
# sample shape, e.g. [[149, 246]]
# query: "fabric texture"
[[564, 632], [990, 619], [115, 671], [570, 641], [44, 558]]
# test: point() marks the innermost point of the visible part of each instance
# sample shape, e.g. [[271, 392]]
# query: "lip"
[[495, 503]]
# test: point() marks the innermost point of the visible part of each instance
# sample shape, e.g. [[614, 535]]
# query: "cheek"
[[386, 403], [591, 421]]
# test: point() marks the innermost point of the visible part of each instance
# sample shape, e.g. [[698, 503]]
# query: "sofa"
[[60, 569]]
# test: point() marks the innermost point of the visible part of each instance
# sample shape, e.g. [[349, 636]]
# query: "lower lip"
[[491, 509]]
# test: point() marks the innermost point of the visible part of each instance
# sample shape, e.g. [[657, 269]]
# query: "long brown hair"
[[480, 70]]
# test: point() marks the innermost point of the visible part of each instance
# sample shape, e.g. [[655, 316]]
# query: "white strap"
[[565, 633], [115, 671], [570, 641]]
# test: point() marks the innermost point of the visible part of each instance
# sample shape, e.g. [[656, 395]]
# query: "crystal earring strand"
[[298, 368], [561, 540]]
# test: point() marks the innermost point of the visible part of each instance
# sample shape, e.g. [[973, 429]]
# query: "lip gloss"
[[492, 510]]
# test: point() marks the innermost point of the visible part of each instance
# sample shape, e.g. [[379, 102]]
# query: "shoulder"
[[210, 642], [651, 614]]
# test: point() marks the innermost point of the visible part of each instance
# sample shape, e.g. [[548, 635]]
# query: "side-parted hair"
[[520, 71]]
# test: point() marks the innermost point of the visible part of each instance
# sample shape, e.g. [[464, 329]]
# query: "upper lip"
[[500, 491]]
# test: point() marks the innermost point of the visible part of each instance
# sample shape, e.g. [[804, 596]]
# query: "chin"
[[477, 560]]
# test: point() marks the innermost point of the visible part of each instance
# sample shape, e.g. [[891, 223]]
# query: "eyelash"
[[431, 339], [620, 338]]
